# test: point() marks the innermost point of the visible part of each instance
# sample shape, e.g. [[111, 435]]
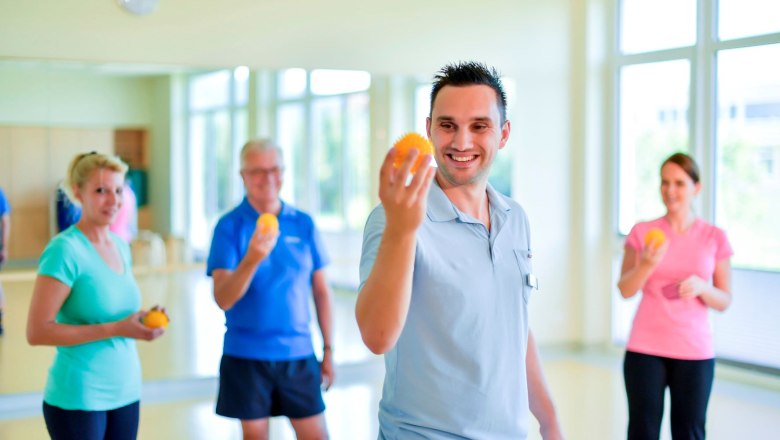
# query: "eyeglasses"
[[262, 172]]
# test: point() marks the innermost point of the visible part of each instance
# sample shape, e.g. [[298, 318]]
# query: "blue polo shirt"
[[458, 368], [5, 207], [271, 321]]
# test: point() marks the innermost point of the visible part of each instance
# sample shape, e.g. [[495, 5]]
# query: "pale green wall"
[[37, 94], [42, 94]]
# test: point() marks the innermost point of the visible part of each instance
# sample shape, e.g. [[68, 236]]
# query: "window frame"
[[309, 199], [232, 108]]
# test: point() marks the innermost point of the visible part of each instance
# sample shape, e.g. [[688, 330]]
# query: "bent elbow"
[[33, 337], [222, 304], [624, 292], [379, 342], [724, 306], [378, 345]]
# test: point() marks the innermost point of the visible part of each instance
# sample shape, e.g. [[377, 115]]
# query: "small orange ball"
[[155, 318], [408, 142], [655, 237], [268, 223]]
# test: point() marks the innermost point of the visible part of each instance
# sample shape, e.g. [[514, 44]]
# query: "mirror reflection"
[[179, 130]]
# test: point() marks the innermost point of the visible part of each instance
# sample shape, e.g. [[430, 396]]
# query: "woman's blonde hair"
[[82, 166]]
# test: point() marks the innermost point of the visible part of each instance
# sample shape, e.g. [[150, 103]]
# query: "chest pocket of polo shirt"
[[523, 257], [297, 253]]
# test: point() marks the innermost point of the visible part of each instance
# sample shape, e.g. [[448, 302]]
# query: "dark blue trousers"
[[690, 384], [116, 424]]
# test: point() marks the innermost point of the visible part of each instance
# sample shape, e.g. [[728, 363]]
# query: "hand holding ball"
[[268, 223], [655, 238], [155, 318], [409, 142]]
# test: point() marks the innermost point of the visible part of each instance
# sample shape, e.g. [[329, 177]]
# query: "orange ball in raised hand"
[[268, 223], [655, 237], [155, 318], [408, 142]]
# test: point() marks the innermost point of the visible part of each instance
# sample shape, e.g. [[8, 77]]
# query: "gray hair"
[[261, 145]]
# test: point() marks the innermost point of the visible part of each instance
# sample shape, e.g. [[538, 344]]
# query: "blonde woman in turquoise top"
[[87, 304]]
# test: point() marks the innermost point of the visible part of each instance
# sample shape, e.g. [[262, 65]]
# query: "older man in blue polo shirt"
[[446, 278], [263, 281]]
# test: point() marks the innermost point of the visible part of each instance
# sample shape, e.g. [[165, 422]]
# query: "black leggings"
[[689, 382], [115, 424]]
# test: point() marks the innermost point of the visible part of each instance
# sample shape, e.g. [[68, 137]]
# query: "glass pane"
[[241, 86], [199, 233], [656, 25], [358, 161], [333, 82], [328, 143], [422, 107], [291, 83], [746, 18], [240, 134], [211, 90], [221, 165], [653, 125], [290, 130], [501, 174], [748, 174]]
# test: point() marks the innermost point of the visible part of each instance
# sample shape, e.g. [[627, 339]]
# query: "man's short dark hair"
[[470, 73]]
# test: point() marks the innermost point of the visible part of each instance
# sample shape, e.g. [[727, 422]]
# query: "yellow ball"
[[408, 142], [655, 237], [156, 318], [268, 223]]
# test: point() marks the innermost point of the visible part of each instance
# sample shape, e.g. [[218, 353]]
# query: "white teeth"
[[463, 159]]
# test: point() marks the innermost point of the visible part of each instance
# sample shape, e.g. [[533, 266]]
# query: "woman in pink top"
[[681, 277]]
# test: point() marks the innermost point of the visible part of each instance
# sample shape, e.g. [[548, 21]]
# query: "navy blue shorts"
[[251, 389], [115, 424]]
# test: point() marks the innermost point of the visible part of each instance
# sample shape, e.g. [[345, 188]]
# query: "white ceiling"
[[400, 36]]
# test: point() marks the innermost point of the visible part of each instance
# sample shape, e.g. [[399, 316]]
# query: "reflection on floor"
[[179, 371]]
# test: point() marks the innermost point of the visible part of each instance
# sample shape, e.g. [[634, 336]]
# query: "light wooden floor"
[[180, 370]]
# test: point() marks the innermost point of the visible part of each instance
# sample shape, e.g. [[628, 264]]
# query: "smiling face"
[[466, 131], [261, 171], [678, 189], [100, 196]]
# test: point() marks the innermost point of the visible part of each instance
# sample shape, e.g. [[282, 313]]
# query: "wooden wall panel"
[[100, 140], [30, 167], [66, 143], [29, 232], [5, 158], [33, 160], [130, 145]]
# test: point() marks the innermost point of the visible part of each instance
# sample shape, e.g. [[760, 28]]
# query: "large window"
[[217, 117], [653, 125], [667, 102], [748, 145], [322, 123], [703, 77]]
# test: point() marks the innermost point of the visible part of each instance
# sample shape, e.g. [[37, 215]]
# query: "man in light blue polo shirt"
[[263, 280], [446, 278]]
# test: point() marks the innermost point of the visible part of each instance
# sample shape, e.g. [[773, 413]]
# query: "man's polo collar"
[[441, 209], [248, 210], [497, 200]]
